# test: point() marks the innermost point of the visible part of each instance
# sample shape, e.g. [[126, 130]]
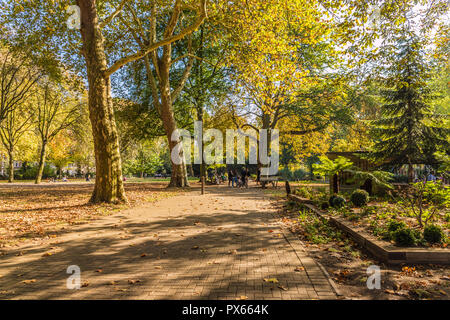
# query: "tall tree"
[[17, 79], [56, 110], [408, 131], [12, 128], [165, 90]]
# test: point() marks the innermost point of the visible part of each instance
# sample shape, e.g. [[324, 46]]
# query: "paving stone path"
[[223, 245]]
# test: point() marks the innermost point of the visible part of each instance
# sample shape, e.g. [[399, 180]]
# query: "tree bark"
[[41, 163], [11, 166], [179, 174], [108, 177], [335, 183]]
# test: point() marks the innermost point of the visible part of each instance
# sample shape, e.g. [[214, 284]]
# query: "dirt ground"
[[347, 264], [33, 212]]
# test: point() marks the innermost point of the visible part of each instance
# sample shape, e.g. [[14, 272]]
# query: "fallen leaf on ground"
[[85, 284], [242, 298], [194, 247], [282, 288], [143, 255], [133, 281], [271, 280], [112, 283], [298, 269], [99, 270], [6, 292], [29, 281]]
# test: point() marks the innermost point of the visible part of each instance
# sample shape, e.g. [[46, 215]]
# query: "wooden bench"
[[264, 180]]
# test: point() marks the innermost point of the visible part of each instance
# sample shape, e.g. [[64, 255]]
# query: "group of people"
[[238, 179]]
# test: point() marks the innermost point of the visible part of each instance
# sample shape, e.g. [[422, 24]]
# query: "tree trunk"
[[41, 163], [335, 183], [11, 166], [108, 177], [179, 175]]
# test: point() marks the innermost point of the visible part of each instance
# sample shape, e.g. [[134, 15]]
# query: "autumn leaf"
[[271, 280], [29, 281], [133, 281]]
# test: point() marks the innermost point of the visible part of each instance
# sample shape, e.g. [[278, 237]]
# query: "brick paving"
[[219, 246]]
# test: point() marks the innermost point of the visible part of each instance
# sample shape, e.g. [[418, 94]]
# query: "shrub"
[[338, 202], [359, 198], [324, 205], [433, 234], [30, 173], [299, 174], [330, 201], [303, 192], [404, 237], [395, 225], [286, 174]]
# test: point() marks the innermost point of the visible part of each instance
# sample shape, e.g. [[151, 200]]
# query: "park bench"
[[269, 179]]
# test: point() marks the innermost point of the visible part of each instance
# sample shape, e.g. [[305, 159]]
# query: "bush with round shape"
[[338, 202], [359, 198], [324, 205], [395, 225], [330, 201], [404, 237], [433, 234]]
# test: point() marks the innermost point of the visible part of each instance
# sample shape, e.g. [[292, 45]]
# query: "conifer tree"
[[408, 131]]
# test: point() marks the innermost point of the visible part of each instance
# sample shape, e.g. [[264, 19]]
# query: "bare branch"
[[113, 15], [153, 46]]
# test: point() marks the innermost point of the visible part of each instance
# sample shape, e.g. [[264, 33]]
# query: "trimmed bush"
[[404, 237], [330, 201], [338, 202], [324, 205], [395, 225], [359, 198], [433, 234]]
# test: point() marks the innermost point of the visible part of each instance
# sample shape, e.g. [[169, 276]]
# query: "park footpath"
[[227, 244]]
